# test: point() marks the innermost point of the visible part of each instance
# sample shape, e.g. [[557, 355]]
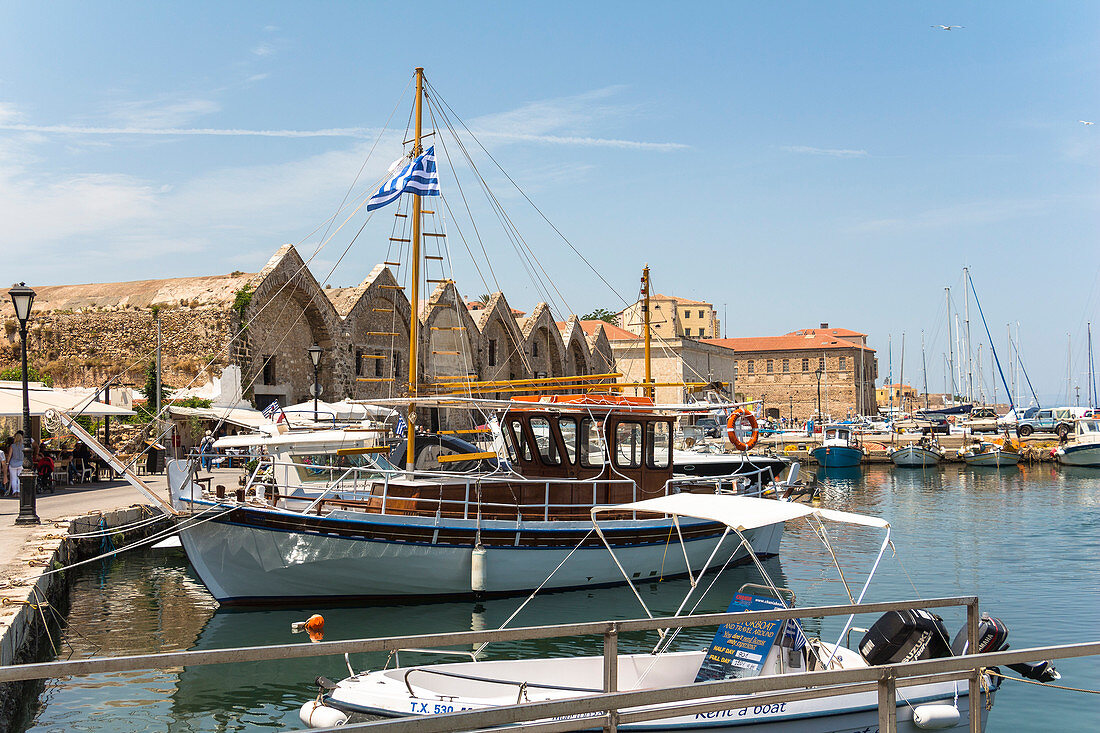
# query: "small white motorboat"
[[986, 453], [923, 454], [1084, 448], [782, 648]]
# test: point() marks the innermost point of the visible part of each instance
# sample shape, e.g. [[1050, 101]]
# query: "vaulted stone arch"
[[577, 357], [288, 312], [545, 350], [503, 345], [378, 330], [601, 357]]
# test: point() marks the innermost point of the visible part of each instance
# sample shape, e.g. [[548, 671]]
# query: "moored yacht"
[[1083, 449]]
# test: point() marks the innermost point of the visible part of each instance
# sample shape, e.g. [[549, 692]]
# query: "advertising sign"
[[739, 649]]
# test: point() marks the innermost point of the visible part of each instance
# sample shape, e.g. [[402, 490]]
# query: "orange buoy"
[[731, 429], [315, 627]]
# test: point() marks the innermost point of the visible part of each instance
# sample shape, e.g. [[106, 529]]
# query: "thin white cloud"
[[830, 152], [95, 130], [971, 213], [160, 113], [263, 49], [601, 142]]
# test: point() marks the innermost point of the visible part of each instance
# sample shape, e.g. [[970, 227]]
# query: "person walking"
[[206, 447], [5, 486], [15, 462]]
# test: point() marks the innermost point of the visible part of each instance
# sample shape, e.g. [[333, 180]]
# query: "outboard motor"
[[993, 637], [905, 636]]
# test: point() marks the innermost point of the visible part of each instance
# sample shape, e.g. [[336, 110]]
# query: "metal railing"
[[606, 709]]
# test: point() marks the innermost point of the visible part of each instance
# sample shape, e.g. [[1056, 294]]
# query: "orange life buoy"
[[731, 429]]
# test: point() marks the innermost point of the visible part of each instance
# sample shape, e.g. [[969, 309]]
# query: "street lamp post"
[[315, 357], [818, 374], [22, 297]]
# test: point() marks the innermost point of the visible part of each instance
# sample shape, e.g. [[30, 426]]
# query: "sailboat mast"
[[969, 361], [950, 353], [1011, 371], [1092, 374], [924, 370], [890, 373], [414, 289], [901, 376], [645, 315]]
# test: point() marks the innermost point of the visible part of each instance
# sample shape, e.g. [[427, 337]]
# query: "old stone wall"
[[791, 387], [87, 347]]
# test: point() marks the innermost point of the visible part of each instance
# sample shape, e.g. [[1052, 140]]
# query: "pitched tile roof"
[[787, 343]]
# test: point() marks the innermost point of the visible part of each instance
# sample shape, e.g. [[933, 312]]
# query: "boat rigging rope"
[[175, 529], [1041, 684], [508, 620]]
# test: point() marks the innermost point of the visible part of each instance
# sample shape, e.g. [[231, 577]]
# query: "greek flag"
[[271, 409], [402, 428], [418, 176]]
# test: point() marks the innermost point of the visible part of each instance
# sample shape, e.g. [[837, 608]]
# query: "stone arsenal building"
[[783, 371], [84, 335]]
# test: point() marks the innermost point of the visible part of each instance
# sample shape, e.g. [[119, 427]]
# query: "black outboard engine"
[[905, 636], [993, 637]]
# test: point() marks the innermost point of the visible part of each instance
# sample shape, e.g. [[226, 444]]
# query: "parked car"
[[710, 426], [933, 424], [1057, 420], [981, 420]]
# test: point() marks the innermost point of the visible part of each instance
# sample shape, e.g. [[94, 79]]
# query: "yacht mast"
[[648, 391], [957, 376], [414, 289], [969, 361], [950, 357], [924, 370], [1091, 389], [901, 377], [1011, 371]]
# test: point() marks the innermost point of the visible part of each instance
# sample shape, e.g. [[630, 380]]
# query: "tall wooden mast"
[[414, 290], [646, 317]]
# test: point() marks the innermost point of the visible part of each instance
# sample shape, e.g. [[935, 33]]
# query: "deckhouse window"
[[570, 435], [545, 442], [521, 447], [657, 452], [628, 445], [592, 444]]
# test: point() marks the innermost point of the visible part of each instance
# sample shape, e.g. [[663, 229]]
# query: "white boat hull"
[[245, 563], [1079, 455], [914, 457], [992, 458], [387, 693]]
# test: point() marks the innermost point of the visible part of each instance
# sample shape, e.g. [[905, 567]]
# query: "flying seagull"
[[1085, 122], [946, 27]]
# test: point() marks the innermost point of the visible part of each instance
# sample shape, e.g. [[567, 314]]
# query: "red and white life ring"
[[731, 429]]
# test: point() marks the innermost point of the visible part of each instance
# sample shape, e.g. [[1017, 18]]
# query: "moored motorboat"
[[782, 649], [1083, 449], [991, 454], [838, 448], [923, 454]]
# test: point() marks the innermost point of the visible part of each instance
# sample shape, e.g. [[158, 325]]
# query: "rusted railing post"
[[975, 698], [888, 702], [611, 658]]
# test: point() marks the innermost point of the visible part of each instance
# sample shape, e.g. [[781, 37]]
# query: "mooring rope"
[[1041, 684]]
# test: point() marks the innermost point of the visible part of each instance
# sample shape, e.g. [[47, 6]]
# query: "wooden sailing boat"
[[384, 533]]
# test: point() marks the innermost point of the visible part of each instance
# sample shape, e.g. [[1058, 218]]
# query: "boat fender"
[[731, 429], [935, 717], [477, 569], [316, 714]]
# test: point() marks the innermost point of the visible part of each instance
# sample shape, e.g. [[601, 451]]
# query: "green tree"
[[15, 374], [602, 314], [150, 387]]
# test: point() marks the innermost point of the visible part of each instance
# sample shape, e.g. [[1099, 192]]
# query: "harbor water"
[[1025, 540]]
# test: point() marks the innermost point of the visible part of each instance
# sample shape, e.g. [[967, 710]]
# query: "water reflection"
[[1027, 541]]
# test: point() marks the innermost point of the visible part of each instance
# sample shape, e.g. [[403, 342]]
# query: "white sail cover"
[[739, 512]]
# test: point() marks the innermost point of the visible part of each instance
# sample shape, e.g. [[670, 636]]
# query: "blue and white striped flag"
[[418, 176], [271, 409], [402, 428]]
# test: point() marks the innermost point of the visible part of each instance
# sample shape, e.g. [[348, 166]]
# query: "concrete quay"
[[33, 583], [1035, 448]]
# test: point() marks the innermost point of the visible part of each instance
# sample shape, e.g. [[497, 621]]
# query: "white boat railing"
[[611, 708], [370, 483]]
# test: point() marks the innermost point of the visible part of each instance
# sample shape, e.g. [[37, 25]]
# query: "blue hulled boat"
[[838, 448]]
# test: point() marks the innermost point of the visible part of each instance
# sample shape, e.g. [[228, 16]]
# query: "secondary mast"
[[414, 290], [648, 392]]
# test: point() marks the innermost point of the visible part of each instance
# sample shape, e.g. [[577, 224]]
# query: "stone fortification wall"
[[87, 347]]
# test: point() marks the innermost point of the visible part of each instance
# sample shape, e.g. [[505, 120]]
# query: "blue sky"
[[795, 163]]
